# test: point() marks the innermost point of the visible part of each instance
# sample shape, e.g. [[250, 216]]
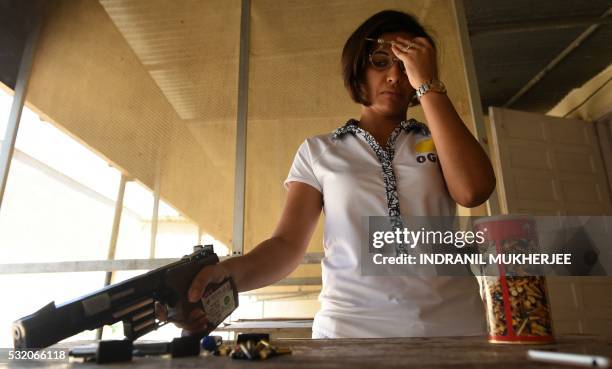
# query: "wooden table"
[[276, 328], [440, 352]]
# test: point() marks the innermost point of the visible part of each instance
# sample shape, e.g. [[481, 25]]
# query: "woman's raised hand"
[[419, 58]]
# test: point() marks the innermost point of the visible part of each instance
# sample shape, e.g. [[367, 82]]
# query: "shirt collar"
[[352, 127]]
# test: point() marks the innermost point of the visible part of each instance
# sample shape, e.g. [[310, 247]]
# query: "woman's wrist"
[[431, 86], [231, 268]]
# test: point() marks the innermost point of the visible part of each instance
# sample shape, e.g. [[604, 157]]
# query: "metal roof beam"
[[479, 29], [109, 265], [556, 60]]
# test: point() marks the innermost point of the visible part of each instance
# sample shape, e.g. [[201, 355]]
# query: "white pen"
[[570, 359]]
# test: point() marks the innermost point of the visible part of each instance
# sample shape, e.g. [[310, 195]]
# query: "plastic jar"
[[516, 302]]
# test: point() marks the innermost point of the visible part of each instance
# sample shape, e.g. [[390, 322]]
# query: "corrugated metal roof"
[[181, 43], [189, 47], [513, 41]]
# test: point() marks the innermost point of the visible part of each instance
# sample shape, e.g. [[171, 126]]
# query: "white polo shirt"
[[358, 178]]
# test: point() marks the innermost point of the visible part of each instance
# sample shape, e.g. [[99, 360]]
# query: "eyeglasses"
[[381, 59]]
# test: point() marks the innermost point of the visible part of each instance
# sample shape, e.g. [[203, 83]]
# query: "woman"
[[382, 165]]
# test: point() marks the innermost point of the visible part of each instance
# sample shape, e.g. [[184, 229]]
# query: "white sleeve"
[[302, 168]]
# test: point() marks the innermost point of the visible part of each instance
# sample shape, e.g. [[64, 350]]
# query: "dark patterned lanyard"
[[385, 157]]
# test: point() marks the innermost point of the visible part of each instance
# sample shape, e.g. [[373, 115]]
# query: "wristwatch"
[[434, 85]]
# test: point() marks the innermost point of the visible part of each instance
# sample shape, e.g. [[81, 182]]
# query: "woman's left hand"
[[419, 58]]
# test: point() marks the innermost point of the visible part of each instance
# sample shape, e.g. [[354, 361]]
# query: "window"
[[59, 205]]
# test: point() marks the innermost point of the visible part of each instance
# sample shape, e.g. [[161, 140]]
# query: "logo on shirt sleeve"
[[426, 150]]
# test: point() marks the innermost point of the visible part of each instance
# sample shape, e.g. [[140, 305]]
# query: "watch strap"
[[433, 85]]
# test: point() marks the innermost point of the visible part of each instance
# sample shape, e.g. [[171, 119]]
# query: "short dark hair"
[[356, 51]]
